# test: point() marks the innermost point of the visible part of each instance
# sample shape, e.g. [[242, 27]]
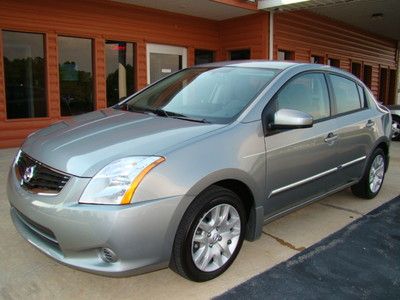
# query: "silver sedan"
[[180, 173]]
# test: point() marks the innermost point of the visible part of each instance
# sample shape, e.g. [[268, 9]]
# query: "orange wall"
[[99, 20], [306, 33], [245, 32]]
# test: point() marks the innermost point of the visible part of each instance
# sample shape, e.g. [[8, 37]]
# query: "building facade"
[[62, 58]]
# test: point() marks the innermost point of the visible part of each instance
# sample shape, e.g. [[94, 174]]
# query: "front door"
[[163, 60], [301, 163]]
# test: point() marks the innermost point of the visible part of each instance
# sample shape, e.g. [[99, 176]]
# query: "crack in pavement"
[[285, 243], [342, 208]]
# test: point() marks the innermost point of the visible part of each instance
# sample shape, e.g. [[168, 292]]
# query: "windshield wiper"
[[168, 114], [186, 118], [156, 111]]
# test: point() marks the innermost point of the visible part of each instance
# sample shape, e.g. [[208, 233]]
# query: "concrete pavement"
[[26, 272]]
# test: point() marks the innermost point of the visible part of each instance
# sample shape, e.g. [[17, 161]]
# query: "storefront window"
[[76, 75], [120, 71], [24, 70]]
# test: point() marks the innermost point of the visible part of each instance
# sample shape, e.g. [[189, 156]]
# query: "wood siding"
[[309, 34], [100, 20], [245, 32]]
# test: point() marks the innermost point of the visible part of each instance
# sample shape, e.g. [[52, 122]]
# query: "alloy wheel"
[[376, 173], [216, 237]]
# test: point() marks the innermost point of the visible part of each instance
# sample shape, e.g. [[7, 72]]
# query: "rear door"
[[300, 163], [356, 127]]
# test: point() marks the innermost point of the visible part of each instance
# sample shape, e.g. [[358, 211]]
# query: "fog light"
[[108, 255]]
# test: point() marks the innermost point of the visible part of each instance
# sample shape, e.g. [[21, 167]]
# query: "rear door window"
[[347, 97]]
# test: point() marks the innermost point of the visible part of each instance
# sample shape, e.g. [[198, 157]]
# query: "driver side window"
[[307, 93]]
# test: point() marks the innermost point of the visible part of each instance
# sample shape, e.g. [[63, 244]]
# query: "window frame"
[[45, 80], [264, 114], [334, 101]]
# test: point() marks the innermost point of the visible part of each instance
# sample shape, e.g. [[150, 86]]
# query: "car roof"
[[279, 65], [267, 64]]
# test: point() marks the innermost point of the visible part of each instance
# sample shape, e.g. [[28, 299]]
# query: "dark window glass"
[[285, 55], [367, 78], [346, 94], [119, 70], [334, 62], [383, 85], [203, 56], [316, 59], [76, 75], [306, 93], [240, 54], [356, 69], [362, 96], [24, 70]]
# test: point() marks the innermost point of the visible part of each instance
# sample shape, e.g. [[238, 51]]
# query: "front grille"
[[37, 177]]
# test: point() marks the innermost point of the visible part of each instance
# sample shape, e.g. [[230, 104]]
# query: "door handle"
[[369, 124], [331, 138]]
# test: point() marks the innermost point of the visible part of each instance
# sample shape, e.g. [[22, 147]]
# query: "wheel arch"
[[244, 186]]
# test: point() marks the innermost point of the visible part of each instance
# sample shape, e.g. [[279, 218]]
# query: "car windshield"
[[209, 95]]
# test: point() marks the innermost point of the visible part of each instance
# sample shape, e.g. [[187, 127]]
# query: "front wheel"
[[372, 180], [210, 235]]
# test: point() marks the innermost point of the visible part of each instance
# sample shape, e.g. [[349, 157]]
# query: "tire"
[[395, 128], [372, 180], [217, 244]]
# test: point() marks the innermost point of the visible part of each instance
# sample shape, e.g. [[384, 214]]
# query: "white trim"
[[164, 49]]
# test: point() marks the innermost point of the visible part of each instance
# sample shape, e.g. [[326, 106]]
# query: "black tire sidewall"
[[223, 197]]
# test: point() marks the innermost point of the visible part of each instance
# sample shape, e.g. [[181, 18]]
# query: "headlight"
[[116, 183]]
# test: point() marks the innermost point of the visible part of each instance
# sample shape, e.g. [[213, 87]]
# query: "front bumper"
[[141, 234]]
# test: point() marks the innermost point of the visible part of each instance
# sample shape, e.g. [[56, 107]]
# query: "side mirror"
[[290, 119]]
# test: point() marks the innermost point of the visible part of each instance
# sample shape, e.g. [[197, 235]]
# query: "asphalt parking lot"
[[26, 272]]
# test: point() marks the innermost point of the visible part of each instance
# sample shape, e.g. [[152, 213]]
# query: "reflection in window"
[[76, 75], [203, 56], [120, 71], [346, 94], [308, 93], [24, 66]]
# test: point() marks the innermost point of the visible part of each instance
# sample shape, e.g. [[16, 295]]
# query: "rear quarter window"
[[347, 97]]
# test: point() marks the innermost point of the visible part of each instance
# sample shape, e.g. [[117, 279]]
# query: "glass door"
[[163, 60]]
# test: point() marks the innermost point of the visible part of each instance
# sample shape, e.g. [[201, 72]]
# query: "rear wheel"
[[372, 180], [210, 235]]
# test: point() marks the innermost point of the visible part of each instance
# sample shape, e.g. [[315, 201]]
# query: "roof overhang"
[[376, 16]]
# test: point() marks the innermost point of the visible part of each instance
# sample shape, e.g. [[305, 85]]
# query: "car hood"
[[82, 145]]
